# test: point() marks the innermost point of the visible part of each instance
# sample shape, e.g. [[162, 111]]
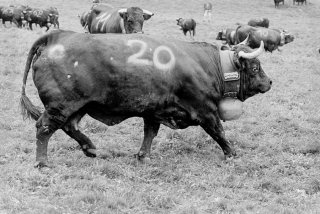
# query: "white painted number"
[[163, 66], [136, 57]]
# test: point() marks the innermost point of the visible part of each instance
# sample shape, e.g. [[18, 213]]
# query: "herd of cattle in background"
[[243, 44], [277, 2], [103, 18], [25, 16]]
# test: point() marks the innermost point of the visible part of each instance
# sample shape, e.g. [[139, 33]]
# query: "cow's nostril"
[[270, 82]]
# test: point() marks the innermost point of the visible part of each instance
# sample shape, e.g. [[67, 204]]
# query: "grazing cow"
[[41, 17], [277, 2], [207, 7], [262, 22], [169, 82], [106, 19], [300, 1], [227, 35], [55, 16], [84, 19], [272, 38], [187, 25], [12, 14]]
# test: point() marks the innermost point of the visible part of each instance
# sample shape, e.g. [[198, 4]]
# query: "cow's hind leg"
[[151, 129], [71, 129], [214, 128], [46, 125]]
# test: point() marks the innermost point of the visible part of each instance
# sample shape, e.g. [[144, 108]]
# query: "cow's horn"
[[253, 54], [123, 10], [148, 12], [244, 42]]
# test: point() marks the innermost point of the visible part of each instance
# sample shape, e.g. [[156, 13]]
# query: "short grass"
[[277, 139]]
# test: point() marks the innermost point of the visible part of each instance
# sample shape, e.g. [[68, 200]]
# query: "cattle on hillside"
[[272, 38], [106, 19], [169, 82], [262, 22], [277, 2], [44, 18], [207, 8], [187, 25], [12, 14]]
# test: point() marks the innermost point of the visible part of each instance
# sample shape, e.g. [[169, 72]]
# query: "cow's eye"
[[255, 69]]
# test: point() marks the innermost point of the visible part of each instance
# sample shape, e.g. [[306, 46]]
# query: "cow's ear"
[[147, 14]]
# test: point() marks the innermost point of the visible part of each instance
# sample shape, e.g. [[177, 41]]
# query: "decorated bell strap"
[[230, 74]]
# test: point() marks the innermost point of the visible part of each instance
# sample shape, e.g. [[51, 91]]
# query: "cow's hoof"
[[41, 164], [92, 153], [230, 154], [229, 157], [142, 157]]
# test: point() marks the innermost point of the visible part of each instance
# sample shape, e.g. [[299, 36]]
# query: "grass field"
[[277, 139]]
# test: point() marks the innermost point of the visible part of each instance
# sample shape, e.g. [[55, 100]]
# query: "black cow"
[[262, 22], [272, 38], [55, 16], [207, 8], [187, 25], [277, 2], [170, 82], [106, 19], [300, 1], [12, 14], [43, 18]]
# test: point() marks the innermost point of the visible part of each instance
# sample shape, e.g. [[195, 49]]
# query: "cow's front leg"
[[214, 128], [151, 129]]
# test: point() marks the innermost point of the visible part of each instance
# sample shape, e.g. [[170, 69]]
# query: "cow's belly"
[[175, 117]]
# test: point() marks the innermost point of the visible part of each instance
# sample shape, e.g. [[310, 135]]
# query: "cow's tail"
[[28, 110]]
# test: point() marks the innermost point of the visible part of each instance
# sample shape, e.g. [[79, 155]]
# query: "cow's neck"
[[231, 74]]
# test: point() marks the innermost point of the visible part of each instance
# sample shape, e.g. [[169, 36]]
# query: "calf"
[[187, 25]]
